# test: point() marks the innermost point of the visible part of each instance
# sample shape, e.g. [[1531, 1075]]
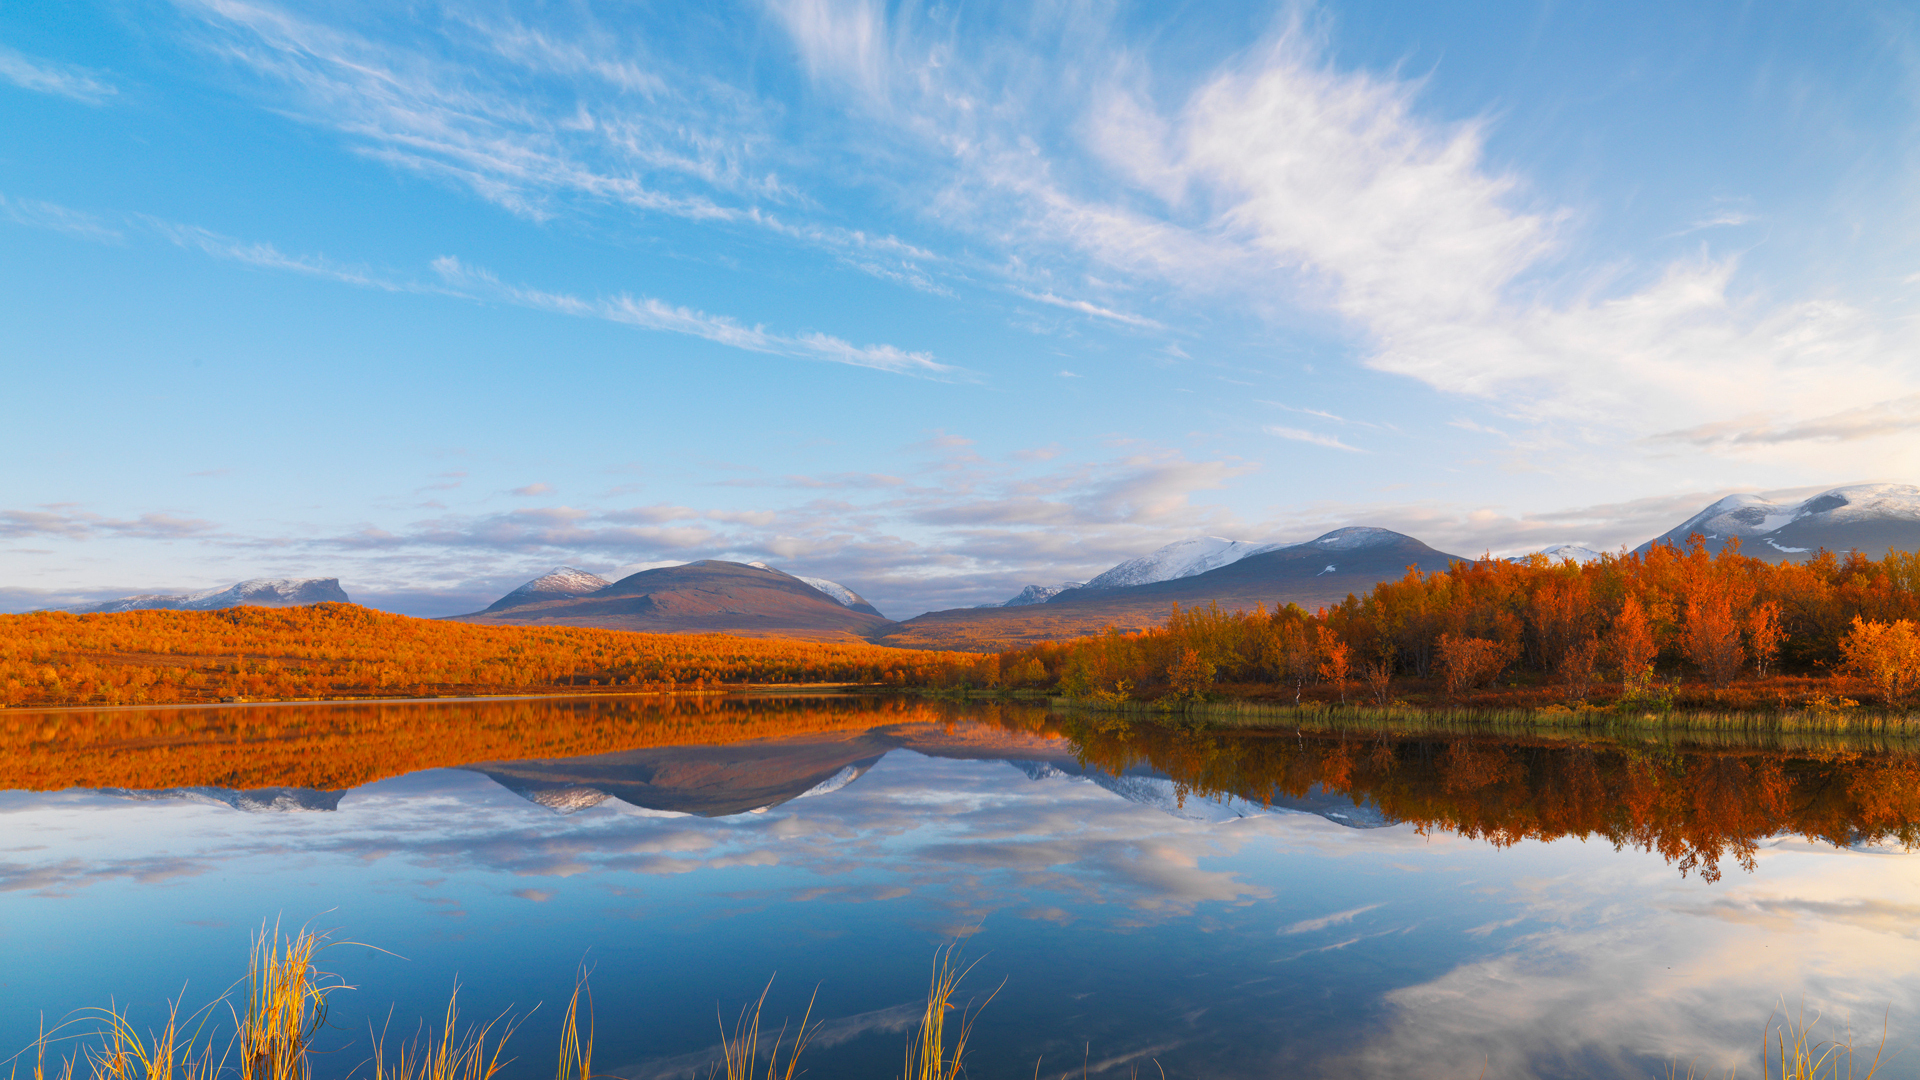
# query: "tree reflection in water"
[[1695, 804]]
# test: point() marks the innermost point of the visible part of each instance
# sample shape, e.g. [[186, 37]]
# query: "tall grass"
[[928, 1055], [456, 1053], [741, 1051]]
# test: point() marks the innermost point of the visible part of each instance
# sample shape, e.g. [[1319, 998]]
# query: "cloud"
[[48, 77], [653, 314], [1338, 918], [1299, 435], [533, 489], [1899, 416], [45, 215], [267, 257], [1095, 310], [565, 116], [66, 523]]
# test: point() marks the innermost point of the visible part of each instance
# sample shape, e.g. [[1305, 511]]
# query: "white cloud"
[[654, 314], [48, 77], [1299, 435], [45, 215]]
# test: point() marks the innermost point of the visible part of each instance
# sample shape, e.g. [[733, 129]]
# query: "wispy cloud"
[[1317, 439], [37, 214], [68, 523], [1086, 308], [1898, 416], [655, 314], [1338, 918], [49, 77]]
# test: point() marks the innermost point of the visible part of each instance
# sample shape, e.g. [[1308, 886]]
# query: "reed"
[[928, 1056], [456, 1053], [286, 1005], [740, 1052]]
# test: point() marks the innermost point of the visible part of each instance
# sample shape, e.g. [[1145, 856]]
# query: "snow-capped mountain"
[[1150, 787], [835, 591], [558, 584], [1183, 558], [1579, 553], [1037, 594], [258, 592], [1870, 517]]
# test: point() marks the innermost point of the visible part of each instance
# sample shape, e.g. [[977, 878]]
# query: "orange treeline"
[[1557, 630], [333, 747], [1694, 806], [343, 650]]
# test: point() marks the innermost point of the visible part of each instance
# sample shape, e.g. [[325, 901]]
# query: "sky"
[[933, 300]]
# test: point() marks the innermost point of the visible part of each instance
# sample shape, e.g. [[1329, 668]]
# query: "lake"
[[1210, 903]]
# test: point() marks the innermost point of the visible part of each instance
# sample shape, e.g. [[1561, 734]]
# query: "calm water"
[[1401, 907]]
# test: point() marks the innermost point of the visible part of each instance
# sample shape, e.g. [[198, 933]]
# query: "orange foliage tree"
[[1551, 625], [343, 650]]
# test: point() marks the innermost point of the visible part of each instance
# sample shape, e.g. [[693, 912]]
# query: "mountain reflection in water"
[[1695, 804], [1228, 904]]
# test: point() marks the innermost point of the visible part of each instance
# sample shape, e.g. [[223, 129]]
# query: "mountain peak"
[[1182, 558], [557, 584], [1870, 517], [254, 592]]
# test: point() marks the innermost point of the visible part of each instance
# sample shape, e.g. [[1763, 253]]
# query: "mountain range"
[[756, 599], [257, 592], [708, 596], [753, 776]]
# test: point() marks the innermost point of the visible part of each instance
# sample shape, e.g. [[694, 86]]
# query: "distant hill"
[[258, 592], [1873, 518], [1321, 571], [559, 584], [710, 596]]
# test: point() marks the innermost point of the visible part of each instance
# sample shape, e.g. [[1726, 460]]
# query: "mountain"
[[1579, 553], [699, 597], [749, 777], [1184, 558], [1036, 594], [258, 592], [1321, 571], [835, 591], [562, 582], [1874, 518], [274, 800]]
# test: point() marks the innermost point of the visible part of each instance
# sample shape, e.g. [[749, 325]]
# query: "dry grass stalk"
[[1787, 1052], [456, 1054], [741, 1051], [576, 1053], [927, 1055], [286, 1005]]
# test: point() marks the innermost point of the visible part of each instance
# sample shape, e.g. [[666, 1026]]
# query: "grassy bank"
[[1843, 718]]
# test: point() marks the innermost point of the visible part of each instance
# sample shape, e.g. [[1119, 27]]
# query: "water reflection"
[[1226, 904], [1694, 804]]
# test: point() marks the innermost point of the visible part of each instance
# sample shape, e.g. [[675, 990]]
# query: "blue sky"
[[935, 301]]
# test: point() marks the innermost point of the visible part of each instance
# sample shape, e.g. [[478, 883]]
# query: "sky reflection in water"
[[1218, 945]]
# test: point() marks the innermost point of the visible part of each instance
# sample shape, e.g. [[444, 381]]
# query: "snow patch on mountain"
[[841, 595], [562, 581], [1037, 594], [1754, 516], [1352, 538], [1579, 553], [1183, 558], [257, 592]]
